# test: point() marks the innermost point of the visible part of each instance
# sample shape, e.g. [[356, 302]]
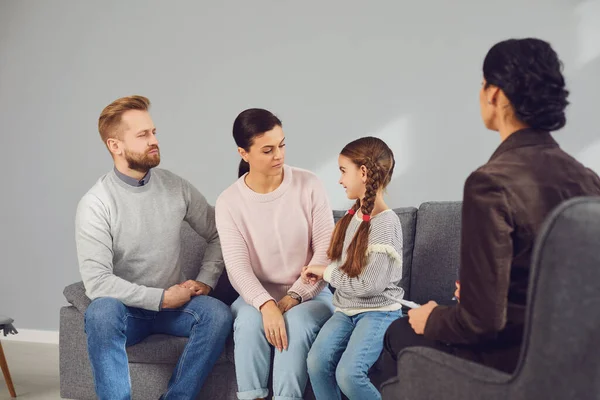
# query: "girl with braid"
[[366, 254]]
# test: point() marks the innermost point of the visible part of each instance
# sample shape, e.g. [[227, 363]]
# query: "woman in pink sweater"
[[272, 221]]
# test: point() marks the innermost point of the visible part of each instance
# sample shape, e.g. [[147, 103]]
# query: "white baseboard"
[[32, 335]]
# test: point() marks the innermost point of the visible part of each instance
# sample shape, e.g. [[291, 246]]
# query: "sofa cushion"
[[191, 255], [166, 349], [338, 214], [436, 254], [75, 295], [407, 217], [192, 251]]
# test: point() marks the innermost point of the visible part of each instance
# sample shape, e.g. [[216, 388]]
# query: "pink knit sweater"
[[268, 238]]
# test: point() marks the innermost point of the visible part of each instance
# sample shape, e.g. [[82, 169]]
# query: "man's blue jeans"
[[111, 327]]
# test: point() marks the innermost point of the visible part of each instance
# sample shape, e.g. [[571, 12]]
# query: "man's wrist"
[[162, 299]]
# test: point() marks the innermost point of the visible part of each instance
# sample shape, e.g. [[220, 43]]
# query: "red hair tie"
[[366, 218], [351, 211]]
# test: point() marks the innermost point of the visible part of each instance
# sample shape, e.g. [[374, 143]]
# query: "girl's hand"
[[286, 303], [312, 273]]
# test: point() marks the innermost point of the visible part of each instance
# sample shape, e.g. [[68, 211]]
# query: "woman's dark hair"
[[247, 126], [375, 155], [529, 73]]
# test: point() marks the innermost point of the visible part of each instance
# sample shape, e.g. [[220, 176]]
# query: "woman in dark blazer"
[[522, 97]]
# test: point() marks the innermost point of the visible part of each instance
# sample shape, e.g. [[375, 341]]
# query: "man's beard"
[[142, 162]]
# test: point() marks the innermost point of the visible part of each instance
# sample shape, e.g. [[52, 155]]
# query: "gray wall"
[[406, 71]]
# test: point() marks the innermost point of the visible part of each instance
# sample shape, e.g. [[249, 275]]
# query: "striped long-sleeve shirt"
[[375, 288], [267, 238]]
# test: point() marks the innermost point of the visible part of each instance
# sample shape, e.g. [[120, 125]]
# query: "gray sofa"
[[560, 358], [431, 259]]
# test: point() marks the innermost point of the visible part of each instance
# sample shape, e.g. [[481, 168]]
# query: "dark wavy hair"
[[529, 73], [248, 125]]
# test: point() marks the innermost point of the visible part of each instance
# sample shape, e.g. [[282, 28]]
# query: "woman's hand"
[[312, 273], [417, 317], [274, 325], [457, 291]]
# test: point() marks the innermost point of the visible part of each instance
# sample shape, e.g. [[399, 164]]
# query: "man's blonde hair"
[[110, 118]]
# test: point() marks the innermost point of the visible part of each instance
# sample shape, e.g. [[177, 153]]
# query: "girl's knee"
[[315, 362], [348, 375]]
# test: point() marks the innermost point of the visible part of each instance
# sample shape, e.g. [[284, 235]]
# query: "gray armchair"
[[560, 356]]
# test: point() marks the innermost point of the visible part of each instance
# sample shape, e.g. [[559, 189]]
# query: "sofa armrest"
[[75, 295], [425, 373]]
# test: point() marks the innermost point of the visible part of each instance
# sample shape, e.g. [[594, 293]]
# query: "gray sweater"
[[128, 237], [375, 288]]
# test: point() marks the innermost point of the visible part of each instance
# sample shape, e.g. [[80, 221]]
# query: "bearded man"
[[128, 243]]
